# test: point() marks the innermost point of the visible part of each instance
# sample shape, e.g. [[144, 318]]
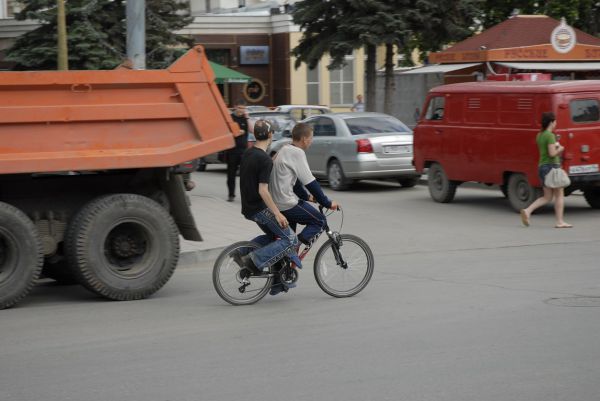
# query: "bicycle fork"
[[336, 243]]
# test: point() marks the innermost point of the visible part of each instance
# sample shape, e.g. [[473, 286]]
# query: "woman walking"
[[550, 151]]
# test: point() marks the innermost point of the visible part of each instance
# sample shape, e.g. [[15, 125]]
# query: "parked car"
[[302, 111], [282, 124], [353, 146]]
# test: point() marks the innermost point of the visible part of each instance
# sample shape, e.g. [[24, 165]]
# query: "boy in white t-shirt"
[[289, 177]]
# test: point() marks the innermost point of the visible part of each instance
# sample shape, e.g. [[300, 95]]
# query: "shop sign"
[[254, 55], [563, 37], [254, 91]]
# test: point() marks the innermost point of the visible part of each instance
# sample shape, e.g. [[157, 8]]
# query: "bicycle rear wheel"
[[229, 283], [344, 281]]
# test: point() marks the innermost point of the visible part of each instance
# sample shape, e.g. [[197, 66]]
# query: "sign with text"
[[254, 55]]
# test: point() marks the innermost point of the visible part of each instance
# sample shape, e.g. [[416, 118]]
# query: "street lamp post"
[[61, 24], [136, 33]]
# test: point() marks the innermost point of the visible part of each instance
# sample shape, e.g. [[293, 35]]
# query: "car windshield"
[[375, 125]]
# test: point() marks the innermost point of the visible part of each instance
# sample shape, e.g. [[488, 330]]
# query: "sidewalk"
[[220, 222]]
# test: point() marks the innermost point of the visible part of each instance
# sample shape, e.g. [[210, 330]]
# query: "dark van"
[[485, 132]]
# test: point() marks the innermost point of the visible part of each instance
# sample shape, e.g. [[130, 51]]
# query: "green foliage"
[[97, 34], [582, 14]]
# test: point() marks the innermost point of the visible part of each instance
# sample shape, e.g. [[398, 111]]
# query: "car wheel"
[[520, 193], [335, 176], [408, 182], [441, 189]]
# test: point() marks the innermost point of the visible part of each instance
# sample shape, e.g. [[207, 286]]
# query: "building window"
[[341, 84], [8, 8], [242, 3], [312, 85]]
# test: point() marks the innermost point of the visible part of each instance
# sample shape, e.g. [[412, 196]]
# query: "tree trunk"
[[371, 77], [390, 83]]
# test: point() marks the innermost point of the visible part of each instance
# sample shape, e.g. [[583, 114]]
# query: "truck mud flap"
[[180, 207]]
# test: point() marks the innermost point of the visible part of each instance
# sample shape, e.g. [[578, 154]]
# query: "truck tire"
[[21, 255], [592, 196], [520, 193], [123, 246], [441, 189]]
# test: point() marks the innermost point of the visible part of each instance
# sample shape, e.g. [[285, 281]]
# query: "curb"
[[191, 258]]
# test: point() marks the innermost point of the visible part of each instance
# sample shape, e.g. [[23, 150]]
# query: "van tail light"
[[364, 146]]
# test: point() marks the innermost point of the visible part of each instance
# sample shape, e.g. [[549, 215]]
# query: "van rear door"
[[580, 134]]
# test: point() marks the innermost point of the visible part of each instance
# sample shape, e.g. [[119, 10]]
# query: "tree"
[[582, 14], [338, 27], [97, 34]]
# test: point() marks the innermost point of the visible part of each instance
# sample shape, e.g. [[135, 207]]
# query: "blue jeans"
[[544, 169], [303, 213], [276, 242]]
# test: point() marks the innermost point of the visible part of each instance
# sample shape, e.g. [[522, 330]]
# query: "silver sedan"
[[353, 146]]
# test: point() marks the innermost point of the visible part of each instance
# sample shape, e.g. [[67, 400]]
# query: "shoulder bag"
[[557, 178]]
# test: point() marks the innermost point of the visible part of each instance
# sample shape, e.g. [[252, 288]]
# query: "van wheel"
[[21, 255], [123, 246], [592, 196], [441, 189], [520, 193], [336, 177]]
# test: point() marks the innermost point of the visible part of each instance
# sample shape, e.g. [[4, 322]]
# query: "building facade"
[[254, 37]]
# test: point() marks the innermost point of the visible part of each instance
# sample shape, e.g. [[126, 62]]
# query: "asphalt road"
[[465, 304]]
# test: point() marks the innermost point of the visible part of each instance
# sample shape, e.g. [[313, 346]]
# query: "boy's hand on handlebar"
[[334, 206]]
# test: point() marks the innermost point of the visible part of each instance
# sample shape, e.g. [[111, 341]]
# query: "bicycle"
[[343, 267]]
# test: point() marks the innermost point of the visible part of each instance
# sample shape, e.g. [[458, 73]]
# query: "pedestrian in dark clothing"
[[234, 155]]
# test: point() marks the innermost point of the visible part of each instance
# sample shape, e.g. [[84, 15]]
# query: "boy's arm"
[[300, 191], [263, 191], [315, 189]]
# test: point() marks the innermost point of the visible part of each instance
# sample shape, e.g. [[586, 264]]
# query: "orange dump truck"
[[91, 173]]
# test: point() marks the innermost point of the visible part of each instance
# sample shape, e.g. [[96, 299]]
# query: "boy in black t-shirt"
[[258, 206]]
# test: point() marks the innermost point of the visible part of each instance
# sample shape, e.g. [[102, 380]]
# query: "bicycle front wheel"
[[349, 275], [231, 283]]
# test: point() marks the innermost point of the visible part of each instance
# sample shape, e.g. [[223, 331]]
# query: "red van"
[[485, 132]]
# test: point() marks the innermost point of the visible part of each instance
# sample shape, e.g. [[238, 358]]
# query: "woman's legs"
[[559, 207], [541, 201]]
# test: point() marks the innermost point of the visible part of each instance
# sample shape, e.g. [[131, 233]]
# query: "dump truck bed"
[[117, 119]]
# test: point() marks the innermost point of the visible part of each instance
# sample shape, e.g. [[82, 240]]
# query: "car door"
[[324, 132]]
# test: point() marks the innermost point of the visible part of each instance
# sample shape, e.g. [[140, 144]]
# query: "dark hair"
[[547, 119], [301, 130], [262, 128]]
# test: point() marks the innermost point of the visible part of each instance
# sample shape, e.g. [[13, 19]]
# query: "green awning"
[[224, 75]]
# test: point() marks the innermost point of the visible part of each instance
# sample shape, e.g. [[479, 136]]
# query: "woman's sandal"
[[524, 218]]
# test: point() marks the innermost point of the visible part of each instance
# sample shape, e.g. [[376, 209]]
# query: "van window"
[[584, 110], [435, 111]]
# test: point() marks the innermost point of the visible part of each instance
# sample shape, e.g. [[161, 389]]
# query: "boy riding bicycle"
[[290, 175], [258, 206]]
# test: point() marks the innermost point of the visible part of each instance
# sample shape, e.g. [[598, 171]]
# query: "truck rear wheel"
[[520, 193], [21, 255], [123, 246], [441, 189], [592, 196]]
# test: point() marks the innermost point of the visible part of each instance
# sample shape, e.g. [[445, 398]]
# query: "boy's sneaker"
[[248, 268]]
